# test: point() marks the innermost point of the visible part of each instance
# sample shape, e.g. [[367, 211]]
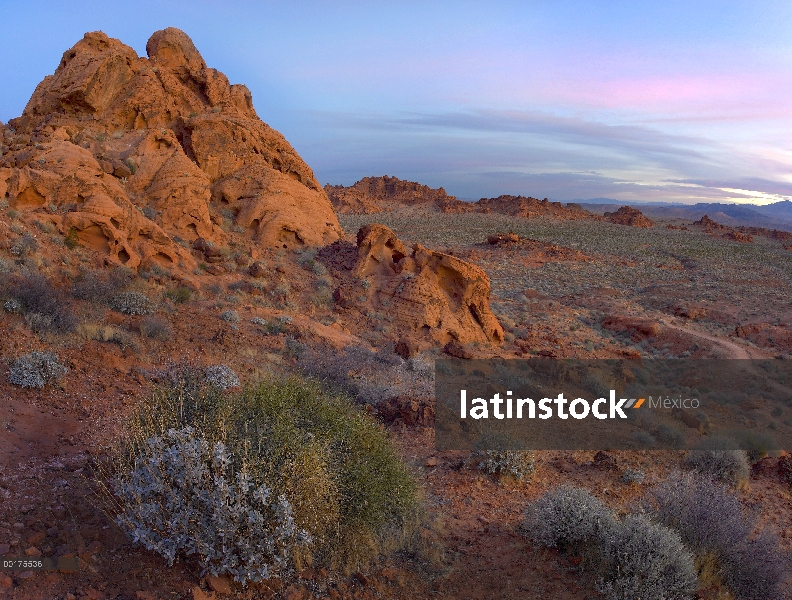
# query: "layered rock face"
[[140, 157], [426, 294], [380, 194]]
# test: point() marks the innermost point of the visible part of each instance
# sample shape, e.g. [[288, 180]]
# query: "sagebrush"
[[333, 465]]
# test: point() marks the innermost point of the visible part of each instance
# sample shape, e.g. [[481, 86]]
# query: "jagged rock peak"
[[137, 158]]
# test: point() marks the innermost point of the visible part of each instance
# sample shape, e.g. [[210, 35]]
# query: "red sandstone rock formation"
[[627, 215], [526, 207], [131, 155], [722, 231], [380, 194], [429, 291], [427, 295]]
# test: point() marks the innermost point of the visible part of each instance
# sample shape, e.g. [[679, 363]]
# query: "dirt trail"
[[736, 350]]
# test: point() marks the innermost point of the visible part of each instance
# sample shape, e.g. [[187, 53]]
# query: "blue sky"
[[567, 100]]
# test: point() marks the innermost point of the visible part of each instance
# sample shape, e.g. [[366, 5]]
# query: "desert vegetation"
[[260, 482], [692, 534]]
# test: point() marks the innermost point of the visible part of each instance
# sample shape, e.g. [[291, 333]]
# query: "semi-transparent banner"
[[568, 404]]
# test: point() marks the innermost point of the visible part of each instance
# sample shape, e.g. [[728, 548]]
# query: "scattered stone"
[[221, 584], [36, 538], [457, 350], [199, 594]]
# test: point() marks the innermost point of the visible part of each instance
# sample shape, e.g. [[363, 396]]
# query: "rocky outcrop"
[[424, 293], [527, 208], [626, 215], [381, 194], [139, 157], [712, 227]]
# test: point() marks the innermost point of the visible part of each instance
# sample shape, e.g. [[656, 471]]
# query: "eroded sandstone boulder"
[[425, 293]]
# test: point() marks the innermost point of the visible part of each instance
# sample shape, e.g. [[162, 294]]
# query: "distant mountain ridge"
[[777, 215]]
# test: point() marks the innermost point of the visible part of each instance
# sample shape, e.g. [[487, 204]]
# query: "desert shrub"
[[631, 476], [103, 333], [369, 376], [717, 458], [23, 246], [179, 295], [631, 558], [70, 240], [37, 322], [184, 497], [132, 303], [293, 347], [670, 436], [156, 328], [570, 519], [712, 523], [224, 456], [269, 327], [36, 294], [101, 286], [221, 376], [13, 306], [230, 316], [281, 291], [641, 559], [36, 369], [501, 456], [756, 443]]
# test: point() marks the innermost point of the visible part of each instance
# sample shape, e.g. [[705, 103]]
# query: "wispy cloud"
[[487, 152]]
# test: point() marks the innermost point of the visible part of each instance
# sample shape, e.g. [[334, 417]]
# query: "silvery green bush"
[[710, 520], [132, 303], [729, 466], [230, 316], [36, 369], [182, 498], [631, 476], [334, 464], [501, 456], [647, 561], [569, 519], [628, 558], [221, 376], [13, 306]]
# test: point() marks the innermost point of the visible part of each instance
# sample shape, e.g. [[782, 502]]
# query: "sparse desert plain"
[[154, 230]]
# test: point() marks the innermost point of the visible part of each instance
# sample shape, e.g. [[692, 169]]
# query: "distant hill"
[[775, 216]]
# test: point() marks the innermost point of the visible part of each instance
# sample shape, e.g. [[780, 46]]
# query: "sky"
[[634, 101]]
